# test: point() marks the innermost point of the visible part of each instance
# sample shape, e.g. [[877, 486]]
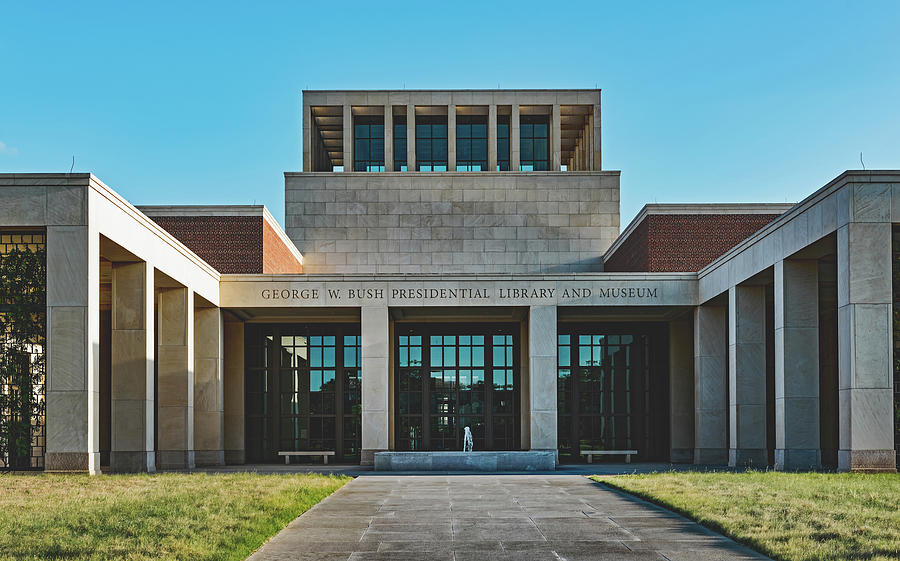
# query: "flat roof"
[[451, 97]]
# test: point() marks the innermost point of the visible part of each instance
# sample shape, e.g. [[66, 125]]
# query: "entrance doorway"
[[303, 390], [452, 376], [612, 390]]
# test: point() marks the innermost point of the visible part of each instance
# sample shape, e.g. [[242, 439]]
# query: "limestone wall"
[[452, 222]]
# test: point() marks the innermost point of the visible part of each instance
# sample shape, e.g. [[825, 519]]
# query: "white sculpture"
[[468, 443]]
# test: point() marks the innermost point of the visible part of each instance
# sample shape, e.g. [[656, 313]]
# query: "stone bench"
[[323, 453], [591, 453]]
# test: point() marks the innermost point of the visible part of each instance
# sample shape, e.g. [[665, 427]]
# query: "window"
[[23, 327], [368, 146], [534, 143], [502, 142], [471, 143], [399, 143], [431, 143], [303, 390], [452, 377]]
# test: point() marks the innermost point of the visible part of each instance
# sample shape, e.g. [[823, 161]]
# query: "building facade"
[[450, 259]]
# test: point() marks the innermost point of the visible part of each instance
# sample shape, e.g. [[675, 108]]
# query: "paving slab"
[[493, 517]]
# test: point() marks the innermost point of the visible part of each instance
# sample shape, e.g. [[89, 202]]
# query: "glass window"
[[23, 325], [471, 143], [534, 143], [502, 142], [399, 143], [368, 143], [450, 380], [303, 390], [431, 143]]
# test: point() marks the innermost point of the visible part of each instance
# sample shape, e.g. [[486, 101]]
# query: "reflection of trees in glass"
[[22, 326]]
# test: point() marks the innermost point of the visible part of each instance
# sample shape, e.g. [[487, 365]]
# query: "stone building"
[[450, 259]]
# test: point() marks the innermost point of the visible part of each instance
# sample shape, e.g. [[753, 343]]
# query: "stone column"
[[411, 137], [233, 352], [388, 137], [865, 342], [73, 336], [309, 143], [492, 137], [375, 382], [348, 138], [132, 350], [555, 139], [681, 392], [575, 161], [451, 137], [542, 372], [209, 406], [594, 152], [175, 379], [797, 365], [587, 143], [747, 376], [515, 162], [710, 378]]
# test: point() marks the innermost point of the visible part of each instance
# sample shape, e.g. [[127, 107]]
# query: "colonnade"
[[167, 384], [730, 397], [585, 156]]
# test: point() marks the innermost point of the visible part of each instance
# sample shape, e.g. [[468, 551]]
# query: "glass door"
[[449, 378], [303, 390], [607, 397]]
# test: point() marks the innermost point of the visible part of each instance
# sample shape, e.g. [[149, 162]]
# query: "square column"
[[594, 146], [865, 342], [388, 137], [585, 145], [131, 369], [375, 382], [515, 156], [451, 138], [175, 379], [542, 373], [492, 137], [348, 138], [411, 138], [233, 353], [73, 337], [555, 139], [797, 365], [710, 379], [209, 403], [747, 376], [309, 141], [681, 392]]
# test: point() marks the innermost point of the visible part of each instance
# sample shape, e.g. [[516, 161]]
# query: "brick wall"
[[231, 244], [632, 254], [683, 242], [452, 222], [276, 256]]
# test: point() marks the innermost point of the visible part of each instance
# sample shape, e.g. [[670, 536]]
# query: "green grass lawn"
[[135, 517], [788, 516]]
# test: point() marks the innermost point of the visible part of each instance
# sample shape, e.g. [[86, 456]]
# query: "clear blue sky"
[[189, 103]]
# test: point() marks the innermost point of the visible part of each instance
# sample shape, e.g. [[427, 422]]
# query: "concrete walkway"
[[492, 517]]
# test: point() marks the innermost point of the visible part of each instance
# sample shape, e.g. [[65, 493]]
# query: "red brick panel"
[[632, 255], [277, 258], [683, 242], [231, 244], [689, 242]]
